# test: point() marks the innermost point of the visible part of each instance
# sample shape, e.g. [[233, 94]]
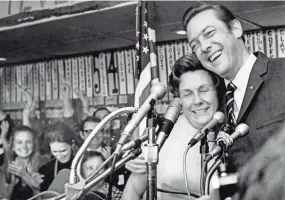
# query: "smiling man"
[[256, 89]]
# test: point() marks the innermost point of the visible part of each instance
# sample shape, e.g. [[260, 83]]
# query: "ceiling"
[[115, 28]]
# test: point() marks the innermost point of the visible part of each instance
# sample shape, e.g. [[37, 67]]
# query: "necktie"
[[230, 104]]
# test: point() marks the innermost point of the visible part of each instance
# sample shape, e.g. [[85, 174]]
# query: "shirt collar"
[[242, 77]]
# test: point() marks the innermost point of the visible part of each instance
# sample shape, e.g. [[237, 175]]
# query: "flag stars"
[[137, 58], [137, 33], [145, 50], [137, 45], [145, 37], [145, 24]]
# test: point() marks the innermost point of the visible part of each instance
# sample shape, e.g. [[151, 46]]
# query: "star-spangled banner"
[[143, 74], [146, 67]]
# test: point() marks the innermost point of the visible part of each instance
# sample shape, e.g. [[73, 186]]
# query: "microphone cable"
[[202, 176], [176, 192], [185, 172], [44, 193], [111, 177]]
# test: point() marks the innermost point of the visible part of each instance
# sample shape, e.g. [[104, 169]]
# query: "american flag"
[[146, 67]]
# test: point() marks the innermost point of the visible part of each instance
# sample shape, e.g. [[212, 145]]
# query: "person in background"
[[6, 124], [63, 145], [263, 176], [201, 92], [91, 161], [23, 161], [87, 126], [70, 117], [255, 83]]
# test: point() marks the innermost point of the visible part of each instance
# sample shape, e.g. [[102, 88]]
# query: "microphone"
[[224, 134], [170, 117], [157, 92], [240, 131], [135, 143], [217, 118]]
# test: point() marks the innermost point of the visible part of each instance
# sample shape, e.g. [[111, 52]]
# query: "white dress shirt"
[[241, 81]]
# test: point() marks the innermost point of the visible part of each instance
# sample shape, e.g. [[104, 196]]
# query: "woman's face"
[[61, 151], [199, 97], [23, 144]]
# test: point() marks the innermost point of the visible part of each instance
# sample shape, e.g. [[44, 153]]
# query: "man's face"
[[88, 127], [214, 44]]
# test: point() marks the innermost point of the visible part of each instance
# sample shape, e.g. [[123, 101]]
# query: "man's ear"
[[236, 28], [82, 135]]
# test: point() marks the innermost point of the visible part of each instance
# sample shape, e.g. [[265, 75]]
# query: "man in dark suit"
[[258, 89]]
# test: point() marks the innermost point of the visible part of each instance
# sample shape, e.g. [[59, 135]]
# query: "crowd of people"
[[32, 155], [219, 75]]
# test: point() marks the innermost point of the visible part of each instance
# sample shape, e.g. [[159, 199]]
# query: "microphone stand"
[[151, 155], [88, 186], [204, 150]]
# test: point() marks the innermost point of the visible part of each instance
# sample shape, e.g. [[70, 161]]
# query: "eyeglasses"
[[88, 131]]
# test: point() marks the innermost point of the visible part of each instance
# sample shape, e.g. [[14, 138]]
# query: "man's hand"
[[137, 165]]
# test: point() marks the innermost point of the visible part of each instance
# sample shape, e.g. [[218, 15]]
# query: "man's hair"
[[101, 109], [90, 119], [90, 154], [221, 11]]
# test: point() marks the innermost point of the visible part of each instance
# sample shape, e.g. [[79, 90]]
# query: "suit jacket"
[[263, 107]]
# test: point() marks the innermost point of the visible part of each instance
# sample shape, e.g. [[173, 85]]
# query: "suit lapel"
[[254, 82]]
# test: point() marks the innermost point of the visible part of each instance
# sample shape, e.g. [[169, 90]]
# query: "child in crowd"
[[91, 161]]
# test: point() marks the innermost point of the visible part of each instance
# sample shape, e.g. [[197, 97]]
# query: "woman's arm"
[[68, 110], [29, 106], [135, 187], [5, 129], [84, 100], [32, 180]]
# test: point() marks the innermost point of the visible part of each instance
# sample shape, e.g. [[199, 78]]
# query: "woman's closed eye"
[[186, 94], [205, 89]]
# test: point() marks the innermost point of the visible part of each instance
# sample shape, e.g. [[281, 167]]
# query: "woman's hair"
[[60, 132], [190, 63], [34, 157]]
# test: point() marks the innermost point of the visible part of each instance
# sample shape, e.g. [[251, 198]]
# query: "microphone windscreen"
[[59, 180]]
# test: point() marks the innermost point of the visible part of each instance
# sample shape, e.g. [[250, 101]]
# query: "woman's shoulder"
[[49, 165], [44, 159]]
